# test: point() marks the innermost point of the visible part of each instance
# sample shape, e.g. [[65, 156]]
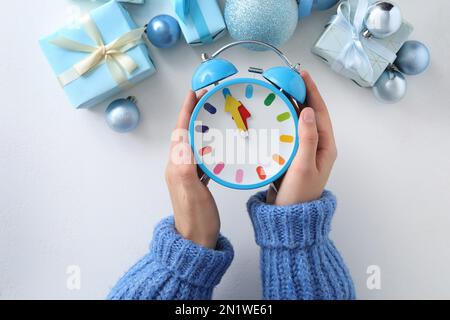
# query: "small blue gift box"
[[100, 56], [132, 1], [127, 1], [339, 48], [201, 21]]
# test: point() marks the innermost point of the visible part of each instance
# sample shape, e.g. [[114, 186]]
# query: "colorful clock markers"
[[210, 108], [219, 168], [238, 108], [283, 117], [249, 91], [226, 92], [261, 173], [286, 138], [239, 176], [270, 99], [201, 128], [278, 159], [205, 150]]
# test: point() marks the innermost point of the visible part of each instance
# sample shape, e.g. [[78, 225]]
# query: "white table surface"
[[73, 192]]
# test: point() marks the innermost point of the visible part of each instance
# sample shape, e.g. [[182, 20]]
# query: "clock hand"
[[232, 106], [245, 114]]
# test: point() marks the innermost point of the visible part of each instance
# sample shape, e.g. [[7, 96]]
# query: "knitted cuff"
[[197, 265], [296, 226]]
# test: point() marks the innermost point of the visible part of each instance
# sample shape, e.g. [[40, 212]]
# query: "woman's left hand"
[[195, 211]]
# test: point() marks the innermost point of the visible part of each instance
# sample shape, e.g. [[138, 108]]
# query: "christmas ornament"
[[391, 87], [123, 115], [383, 19], [270, 21], [163, 31], [243, 132], [413, 58]]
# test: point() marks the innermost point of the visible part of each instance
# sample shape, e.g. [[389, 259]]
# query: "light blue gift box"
[[201, 21], [128, 1], [112, 21], [132, 1], [332, 41]]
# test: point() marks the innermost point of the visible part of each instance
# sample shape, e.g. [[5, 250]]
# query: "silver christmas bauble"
[[271, 21], [413, 58], [391, 87], [383, 19], [123, 115]]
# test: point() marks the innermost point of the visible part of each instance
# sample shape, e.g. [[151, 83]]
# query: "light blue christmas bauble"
[[391, 87], [323, 4], [413, 58], [271, 21], [123, 115], [163, 31]]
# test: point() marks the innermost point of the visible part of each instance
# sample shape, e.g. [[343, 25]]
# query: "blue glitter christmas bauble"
[[163, 31], [123, 115], [271, 21], [413, 58]]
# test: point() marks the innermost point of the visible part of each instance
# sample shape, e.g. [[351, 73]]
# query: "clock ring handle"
[[264, 44]]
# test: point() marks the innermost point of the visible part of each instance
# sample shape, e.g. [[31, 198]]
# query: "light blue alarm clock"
[[243, 132]]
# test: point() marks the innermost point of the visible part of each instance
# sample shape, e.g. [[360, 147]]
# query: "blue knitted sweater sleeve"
[[298, 260], [174, 268]]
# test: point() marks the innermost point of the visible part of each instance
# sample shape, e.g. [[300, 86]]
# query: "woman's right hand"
[[309, 172]]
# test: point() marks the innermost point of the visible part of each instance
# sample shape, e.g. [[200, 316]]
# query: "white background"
[[73, 192]]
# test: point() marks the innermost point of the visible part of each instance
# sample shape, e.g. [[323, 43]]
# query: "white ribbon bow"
[[354, 56], [120, 64]]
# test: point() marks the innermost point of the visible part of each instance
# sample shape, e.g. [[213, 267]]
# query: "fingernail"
[[308, 115]]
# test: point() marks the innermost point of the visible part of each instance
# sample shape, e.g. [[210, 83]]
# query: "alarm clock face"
[[244, 133]]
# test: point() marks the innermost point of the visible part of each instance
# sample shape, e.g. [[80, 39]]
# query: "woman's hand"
[[306, 178], [195, 211]]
